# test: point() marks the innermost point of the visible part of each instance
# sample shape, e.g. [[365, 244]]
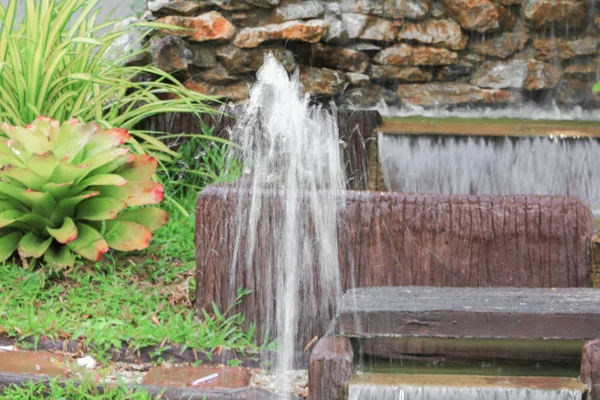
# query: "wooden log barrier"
[[395, 239]]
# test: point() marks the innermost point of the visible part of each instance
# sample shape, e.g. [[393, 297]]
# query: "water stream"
[[293, 180]]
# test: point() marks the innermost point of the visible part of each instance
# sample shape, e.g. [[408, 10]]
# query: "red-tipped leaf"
[[140, 168], [89, 243], [127, 236], [136, 193], [66, 233]]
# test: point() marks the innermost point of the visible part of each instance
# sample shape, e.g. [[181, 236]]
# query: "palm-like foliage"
[[54, 64]]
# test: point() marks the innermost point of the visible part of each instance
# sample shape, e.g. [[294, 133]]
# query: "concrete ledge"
[[394, 386], [483, 313], [149, 354]]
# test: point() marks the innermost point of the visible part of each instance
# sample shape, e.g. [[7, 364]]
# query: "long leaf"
[[8, 244]]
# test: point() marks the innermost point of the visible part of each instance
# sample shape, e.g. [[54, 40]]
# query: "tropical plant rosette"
[[66, 191]]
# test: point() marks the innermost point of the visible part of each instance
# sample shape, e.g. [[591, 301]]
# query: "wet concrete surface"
[[32, 362], [184, 376]]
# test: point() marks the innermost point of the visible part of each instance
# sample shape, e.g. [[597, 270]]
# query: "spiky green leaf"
[[59, 257], [66, 207], [14, 193], [9, 217], [103, 180], [41, 203], [72, 139], [57, 190], [89, 243], [8, 244], [100, 209], [31, 245], [66, 233], [26, 177], [127, 236], [140, 168], [150, 217], [105, 141], [65, 172], [43, 164], [135, 193]]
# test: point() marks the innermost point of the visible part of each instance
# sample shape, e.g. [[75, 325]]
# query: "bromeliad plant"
[[66, 189]]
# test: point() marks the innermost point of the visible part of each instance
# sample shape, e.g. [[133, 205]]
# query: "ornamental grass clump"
[[61, 61], [66, 191]]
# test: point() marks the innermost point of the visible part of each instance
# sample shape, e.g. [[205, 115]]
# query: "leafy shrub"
[[55, 63], [65, 190]]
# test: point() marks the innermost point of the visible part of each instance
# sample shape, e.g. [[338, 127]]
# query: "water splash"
[[528, 166], [293, 180]]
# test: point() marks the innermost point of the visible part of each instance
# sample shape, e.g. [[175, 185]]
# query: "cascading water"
[[290, 150], [528, 166], [525, 111], [374, 392]]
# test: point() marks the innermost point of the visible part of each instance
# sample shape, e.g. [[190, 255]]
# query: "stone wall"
[[415, 52]]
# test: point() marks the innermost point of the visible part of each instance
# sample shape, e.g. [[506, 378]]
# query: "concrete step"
[[477, 313], [471, 323]]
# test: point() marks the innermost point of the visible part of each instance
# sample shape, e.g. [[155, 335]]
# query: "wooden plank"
[[478, 313], [402, 239]]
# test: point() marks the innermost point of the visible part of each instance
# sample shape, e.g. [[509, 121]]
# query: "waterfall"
[[505, 166], [376, 392]]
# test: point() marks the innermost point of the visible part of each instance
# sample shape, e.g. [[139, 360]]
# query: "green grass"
[[68, 390], [138, 299]]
